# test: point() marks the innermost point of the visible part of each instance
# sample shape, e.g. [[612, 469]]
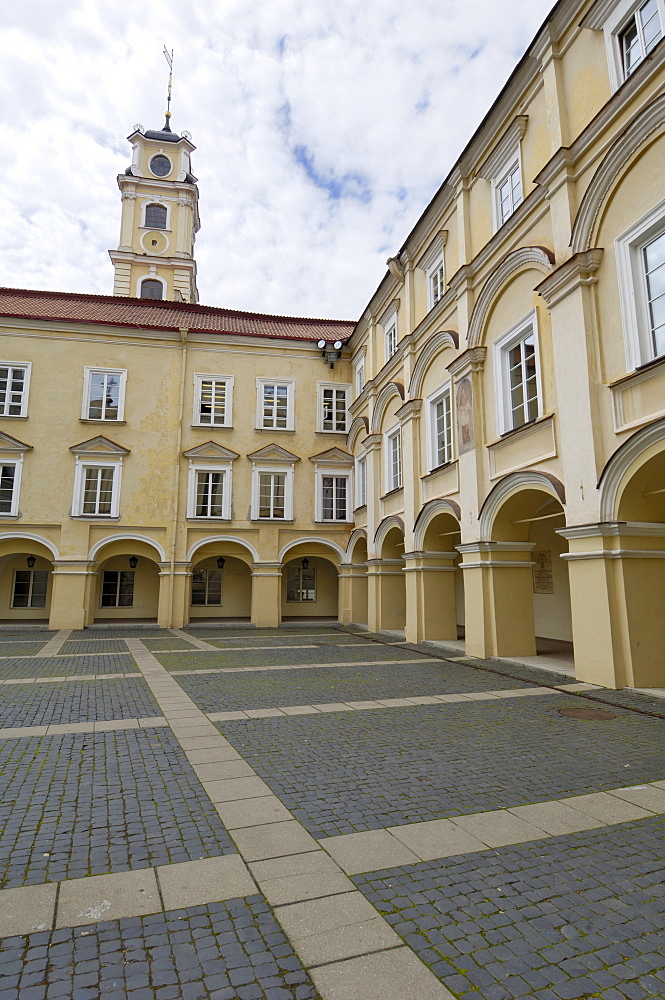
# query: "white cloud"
[[322, 132]]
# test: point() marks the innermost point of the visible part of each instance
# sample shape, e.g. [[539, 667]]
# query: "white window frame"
[[361, 480], [79, 487], [286, 470], [393, 482], [227, 471], [337, 474], [612, 17], [390, 338], [436, 281], [336, 387], [151, 277], [27, 369], [633, 288], [31, 588], [501, 349], [88, 372], [360, 380], [164, 204], [16, 486], [290, 403], [514, 163], [227, 380], [431, 403]]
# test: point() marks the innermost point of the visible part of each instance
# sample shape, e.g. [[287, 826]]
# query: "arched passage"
[[441, 597], [310, 584], [530, 587], [357, 562], [220, 588], [127, 584], [392, 584], [26, 579]]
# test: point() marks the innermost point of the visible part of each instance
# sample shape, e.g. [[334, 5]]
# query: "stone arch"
[[645, 127], [129, 537], [213, 539], [356, 535], [382, 400], [518, 260], [446, 338], [624, 463], [513, 483], [313, 540], [10, 536], [359, 426], [427, 515], [384, 528]]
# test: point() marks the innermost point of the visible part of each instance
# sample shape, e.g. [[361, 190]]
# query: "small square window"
[[207, 587], [300, 584], [117, 588], [104, 394], [30, 587]]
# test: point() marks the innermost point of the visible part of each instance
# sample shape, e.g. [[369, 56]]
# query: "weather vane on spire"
[[169, 58]]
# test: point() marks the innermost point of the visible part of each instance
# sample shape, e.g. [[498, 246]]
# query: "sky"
[[322, 130]]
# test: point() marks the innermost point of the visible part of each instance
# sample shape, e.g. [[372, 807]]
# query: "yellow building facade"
[[478, 461]]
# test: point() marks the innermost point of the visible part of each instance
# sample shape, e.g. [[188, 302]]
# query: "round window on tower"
[[160, 165]]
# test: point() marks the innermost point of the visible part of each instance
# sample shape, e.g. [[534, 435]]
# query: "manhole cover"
[[598, 714]]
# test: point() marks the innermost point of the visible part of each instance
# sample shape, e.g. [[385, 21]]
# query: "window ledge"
[[391, 493], [275, 430], [9, 517], [646, 368], [363, 506], [273, 520], [440, 468], [209, 520], [347, 520], [338, 433], [96, 420], [101, 518], [13, 416], [522, 429], [211, 427]]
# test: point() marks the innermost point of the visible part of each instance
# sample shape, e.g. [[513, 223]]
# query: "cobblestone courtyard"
[[314, 812]]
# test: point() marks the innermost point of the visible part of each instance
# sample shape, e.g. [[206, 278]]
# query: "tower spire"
[[169, 58]]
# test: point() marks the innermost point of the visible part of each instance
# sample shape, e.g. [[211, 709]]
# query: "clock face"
[[160, 165]]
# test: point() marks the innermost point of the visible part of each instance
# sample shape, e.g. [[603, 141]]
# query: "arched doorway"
[[441, 584], [26, 581], [126, 586], [358, 579], [530, 587], [641, 541], [392, 583], [221, 589]]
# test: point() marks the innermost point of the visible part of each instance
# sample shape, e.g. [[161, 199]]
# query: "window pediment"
[[100, 447], [11, 444], [333, 457], [211, 451], [273, 453]]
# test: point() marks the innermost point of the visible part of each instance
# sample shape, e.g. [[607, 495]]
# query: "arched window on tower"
[[155, 216], [152, 289]]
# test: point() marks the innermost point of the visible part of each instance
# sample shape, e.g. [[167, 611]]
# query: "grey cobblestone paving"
[[224, 951], [21, 648], [60, 666], [260, 657], [69, 701], [343, 773], [266, 690], [568, 918], [94, 646], [119, 632], [168, 642], [87, 804], [286, 641]]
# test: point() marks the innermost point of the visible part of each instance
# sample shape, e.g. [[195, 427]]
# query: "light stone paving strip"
[[54, 645], [356, 706], [105, 726], [69, 677], [327, 932], [193, 640], [296, 666]]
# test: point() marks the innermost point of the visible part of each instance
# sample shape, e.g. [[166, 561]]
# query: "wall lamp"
[[133, 561], [330, 352], [220, 562], [305, 563], [31, 560]]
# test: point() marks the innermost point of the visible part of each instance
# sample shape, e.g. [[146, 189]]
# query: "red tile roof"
[[152, 314]]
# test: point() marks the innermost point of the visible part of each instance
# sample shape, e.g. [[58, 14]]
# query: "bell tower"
[[159, 220]]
